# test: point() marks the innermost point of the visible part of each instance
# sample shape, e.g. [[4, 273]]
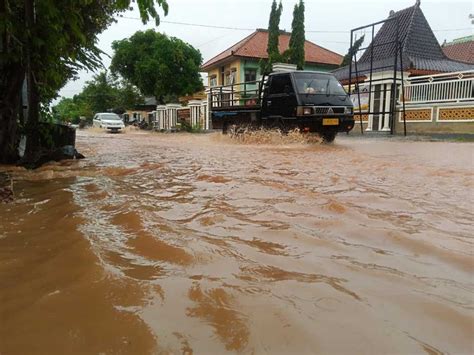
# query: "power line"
[[253, 29], [196, 24], [212, 40]]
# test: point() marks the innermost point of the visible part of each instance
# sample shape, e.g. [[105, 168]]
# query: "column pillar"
[[161, 116], [195, 110], [386, 117], [370, 117]]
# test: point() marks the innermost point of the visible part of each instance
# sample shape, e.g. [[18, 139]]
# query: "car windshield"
[[318, 84], [110, 117]]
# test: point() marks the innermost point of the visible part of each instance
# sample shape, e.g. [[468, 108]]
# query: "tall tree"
[[273, 50], [101, 94], [297, 40], [158, 65], [70, 110], [353, 50], [47, 42]]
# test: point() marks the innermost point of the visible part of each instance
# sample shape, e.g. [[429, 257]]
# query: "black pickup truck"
[[310, 101]]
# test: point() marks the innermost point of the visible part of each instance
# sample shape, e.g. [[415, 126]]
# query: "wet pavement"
[[181, 244]]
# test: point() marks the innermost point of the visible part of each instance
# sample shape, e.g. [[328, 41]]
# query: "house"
[[438, 92], [461, 49], [141, 112], [241, 62]]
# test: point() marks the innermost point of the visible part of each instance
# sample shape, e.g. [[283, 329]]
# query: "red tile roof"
[[255, 46], [463, 51]]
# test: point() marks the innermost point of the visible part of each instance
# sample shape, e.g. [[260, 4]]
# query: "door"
[[280, 99]]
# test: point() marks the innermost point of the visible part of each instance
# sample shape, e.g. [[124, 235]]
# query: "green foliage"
[[274, 32], [63, 37], [353, 50], [50, 41], [187, 127], [70, 110], [296, 54], [101, 94], [157, 64], [273, 50]]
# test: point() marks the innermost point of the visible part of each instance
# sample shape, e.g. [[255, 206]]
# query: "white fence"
[[165, 118], [449, 87]]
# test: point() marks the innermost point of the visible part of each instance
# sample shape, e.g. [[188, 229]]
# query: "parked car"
[[108, 120]]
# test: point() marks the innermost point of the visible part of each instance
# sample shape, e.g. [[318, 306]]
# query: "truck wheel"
[[328, 136], [280, 124]]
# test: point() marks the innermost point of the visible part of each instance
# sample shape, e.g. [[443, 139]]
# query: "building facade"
[[415, 80], [241, 62]]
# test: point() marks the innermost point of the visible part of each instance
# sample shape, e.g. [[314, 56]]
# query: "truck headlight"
[[304, 111], [349, 110]]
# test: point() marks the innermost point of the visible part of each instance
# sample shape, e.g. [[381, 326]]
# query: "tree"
[[158, 65], [273, 49], [353, 50], [46, 42], [274, 33], [296, 54], [70, 110], [101, 94], [129, 97]]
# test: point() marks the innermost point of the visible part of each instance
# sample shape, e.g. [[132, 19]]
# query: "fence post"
[[205, 115], [194, 106]]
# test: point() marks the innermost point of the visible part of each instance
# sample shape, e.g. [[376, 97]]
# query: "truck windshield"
[[318, 84]]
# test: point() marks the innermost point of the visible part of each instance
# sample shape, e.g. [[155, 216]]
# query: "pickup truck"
[[308, 100]]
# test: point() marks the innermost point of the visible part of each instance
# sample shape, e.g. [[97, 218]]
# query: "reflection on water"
[[201, 244]]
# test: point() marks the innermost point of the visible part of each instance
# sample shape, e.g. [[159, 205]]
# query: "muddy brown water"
[[170, 244]]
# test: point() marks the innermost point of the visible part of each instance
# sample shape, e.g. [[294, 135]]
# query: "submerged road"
[[177, 243]]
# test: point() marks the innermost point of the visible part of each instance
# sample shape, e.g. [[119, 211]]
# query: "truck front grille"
[[329, 110]]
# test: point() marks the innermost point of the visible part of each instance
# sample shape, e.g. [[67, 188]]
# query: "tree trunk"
[[11, 80], [32, 122], [12, 75]]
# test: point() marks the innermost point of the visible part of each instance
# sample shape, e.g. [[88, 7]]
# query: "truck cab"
[[308, 100], [311, 101]]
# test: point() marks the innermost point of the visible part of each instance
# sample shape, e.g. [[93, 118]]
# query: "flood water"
[[182, 244]]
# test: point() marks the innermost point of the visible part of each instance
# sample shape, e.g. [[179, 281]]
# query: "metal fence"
[[448, 87]]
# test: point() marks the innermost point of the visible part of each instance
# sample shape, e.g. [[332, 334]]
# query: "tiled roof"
[[420, 48], [255, 46], [463, 52]]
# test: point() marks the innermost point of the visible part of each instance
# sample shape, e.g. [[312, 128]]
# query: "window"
[[279, 83], [222, 75], [213, 80], [250, 74], [230, 76]]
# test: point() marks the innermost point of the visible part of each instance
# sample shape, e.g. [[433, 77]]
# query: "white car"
[[108, 120]]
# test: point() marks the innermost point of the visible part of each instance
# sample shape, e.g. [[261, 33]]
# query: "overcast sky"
[[448, 18]]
